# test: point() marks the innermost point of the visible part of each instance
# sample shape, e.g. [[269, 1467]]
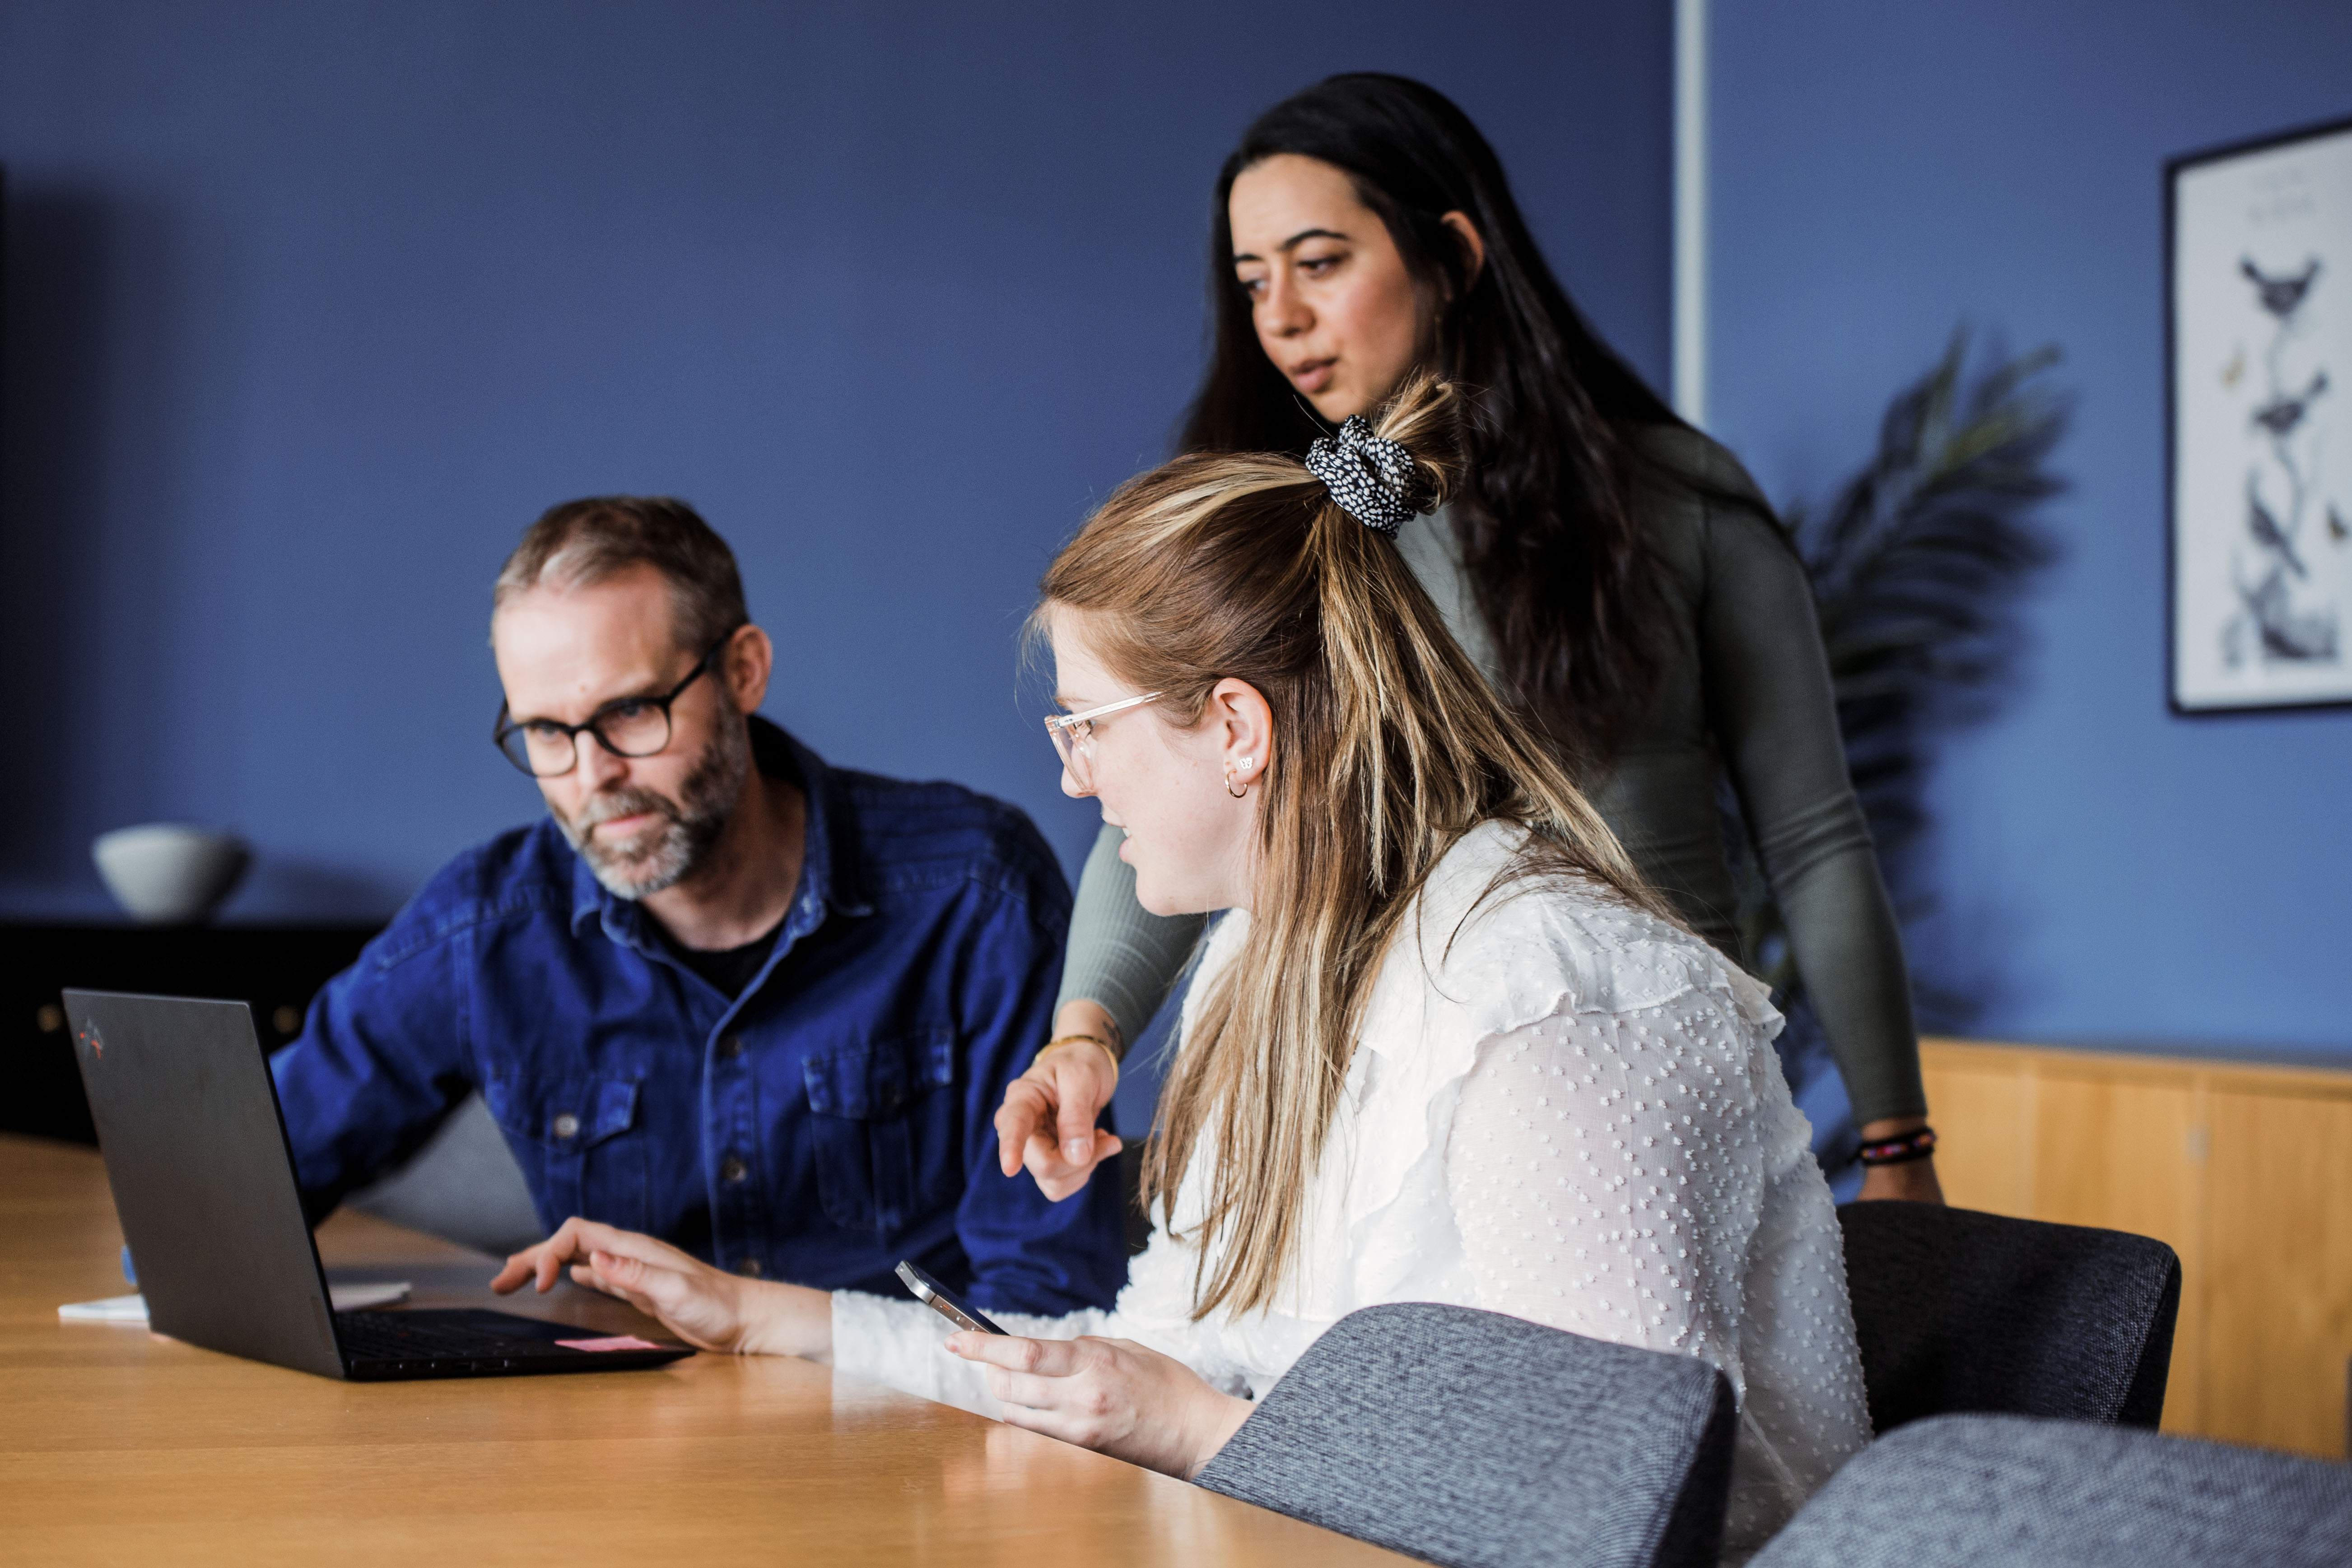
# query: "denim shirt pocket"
[[571, 1137], [883, 1131]]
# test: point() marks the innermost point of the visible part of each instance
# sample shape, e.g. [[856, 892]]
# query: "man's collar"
[[830, 874], [829, 868]]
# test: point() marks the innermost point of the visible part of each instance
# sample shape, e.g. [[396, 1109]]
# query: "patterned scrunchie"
[[1371, 477]]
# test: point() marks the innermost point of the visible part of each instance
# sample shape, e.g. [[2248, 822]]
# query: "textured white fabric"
[[1561, 1109]]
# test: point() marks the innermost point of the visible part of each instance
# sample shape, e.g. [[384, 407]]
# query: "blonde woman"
[[1444, 1046]]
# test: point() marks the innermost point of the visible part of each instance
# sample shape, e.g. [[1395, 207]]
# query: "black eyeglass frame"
[[594, 724]]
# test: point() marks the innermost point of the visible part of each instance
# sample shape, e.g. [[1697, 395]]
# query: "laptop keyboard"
[[400, 1336]]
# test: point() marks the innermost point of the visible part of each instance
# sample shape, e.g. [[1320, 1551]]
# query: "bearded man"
[[725, 994]]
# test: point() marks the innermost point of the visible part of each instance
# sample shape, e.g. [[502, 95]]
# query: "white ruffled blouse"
[[1561, 1109]]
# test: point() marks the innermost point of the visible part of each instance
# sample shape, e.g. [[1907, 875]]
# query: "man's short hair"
[[585, 542]]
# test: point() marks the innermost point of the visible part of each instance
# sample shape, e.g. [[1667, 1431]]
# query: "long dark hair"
[[1545, 518]]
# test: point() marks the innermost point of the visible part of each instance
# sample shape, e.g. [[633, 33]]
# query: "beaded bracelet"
[[1900, 1149]]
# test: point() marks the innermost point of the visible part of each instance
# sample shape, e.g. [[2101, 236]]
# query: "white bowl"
[[168, 873]]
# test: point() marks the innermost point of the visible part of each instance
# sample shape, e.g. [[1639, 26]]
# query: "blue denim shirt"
[[834, 1120]]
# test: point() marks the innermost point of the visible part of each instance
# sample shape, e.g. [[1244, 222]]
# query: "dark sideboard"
[[277, 969]]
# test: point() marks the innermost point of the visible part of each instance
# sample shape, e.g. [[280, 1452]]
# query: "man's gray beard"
[[665, 855]]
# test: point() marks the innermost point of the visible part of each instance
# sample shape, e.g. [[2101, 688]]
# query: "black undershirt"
[[729, 968]]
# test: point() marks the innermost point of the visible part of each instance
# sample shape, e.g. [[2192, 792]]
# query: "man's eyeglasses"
[[626, 727], [1072, 735]]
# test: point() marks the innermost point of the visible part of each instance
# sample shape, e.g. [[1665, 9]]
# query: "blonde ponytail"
[[1389, 747]]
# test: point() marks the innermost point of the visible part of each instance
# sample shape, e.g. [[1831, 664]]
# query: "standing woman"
[[1615, 575]]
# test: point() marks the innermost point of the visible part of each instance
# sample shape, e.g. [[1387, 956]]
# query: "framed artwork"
[[2258, 260]]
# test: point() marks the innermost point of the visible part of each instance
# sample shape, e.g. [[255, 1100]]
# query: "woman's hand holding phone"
[[1114, 1397], [706, 1307]]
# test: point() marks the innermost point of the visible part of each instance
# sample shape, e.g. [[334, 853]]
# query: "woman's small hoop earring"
[[1237, 793]]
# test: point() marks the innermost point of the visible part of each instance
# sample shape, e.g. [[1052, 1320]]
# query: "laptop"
[[196, 1150]]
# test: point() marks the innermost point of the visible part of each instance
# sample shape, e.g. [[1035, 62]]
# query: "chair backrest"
[[1958, 1311], [1987, 1491], [462, 1185], [1477, 1440]]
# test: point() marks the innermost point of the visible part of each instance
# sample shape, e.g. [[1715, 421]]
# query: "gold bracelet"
[[1090, 1039], [1111, 1044]]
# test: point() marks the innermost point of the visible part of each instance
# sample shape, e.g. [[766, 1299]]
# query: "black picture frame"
[[2258, 423]]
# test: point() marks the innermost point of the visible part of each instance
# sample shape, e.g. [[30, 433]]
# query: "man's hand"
[[1914, 1181], [1048, 1120], [1114, 1397], [708, 1308]]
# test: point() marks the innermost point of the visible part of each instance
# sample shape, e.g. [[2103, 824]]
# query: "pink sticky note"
[[617, 1342]]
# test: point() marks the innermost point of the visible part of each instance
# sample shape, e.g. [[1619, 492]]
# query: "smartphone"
[[943, 1301]]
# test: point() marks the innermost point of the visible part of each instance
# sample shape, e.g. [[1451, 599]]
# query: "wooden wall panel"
[[2280, 1287], [2129, 1155], [2246, 1171], [1981, 1117]]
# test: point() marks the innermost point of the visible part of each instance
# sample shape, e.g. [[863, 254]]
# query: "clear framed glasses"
[[626, 727], [1072, 735]]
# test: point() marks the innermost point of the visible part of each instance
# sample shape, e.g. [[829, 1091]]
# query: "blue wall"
[[1879, 173], [310, 308]]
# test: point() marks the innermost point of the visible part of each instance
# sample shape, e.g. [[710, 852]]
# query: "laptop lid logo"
[[89, 1036]]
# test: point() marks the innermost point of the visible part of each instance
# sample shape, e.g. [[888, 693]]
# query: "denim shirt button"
[[567, 1125], [748, 1268], [731, 1045], [734, 1171]]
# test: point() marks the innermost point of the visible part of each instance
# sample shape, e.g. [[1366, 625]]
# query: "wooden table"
[[119, 1446]]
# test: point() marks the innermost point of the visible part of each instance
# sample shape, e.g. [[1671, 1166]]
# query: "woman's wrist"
[[1891, 1126], [1214, 1418], [1911, 1178], [1081, 1042], [785, 1319], [1091, 1019]]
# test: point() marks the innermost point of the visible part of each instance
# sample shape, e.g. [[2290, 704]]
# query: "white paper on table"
[[133, 1308]]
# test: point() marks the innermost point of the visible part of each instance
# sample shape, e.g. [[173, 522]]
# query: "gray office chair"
[[1477, 1440], [463, 1186], [1988, 1491], [1958, 1311]]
